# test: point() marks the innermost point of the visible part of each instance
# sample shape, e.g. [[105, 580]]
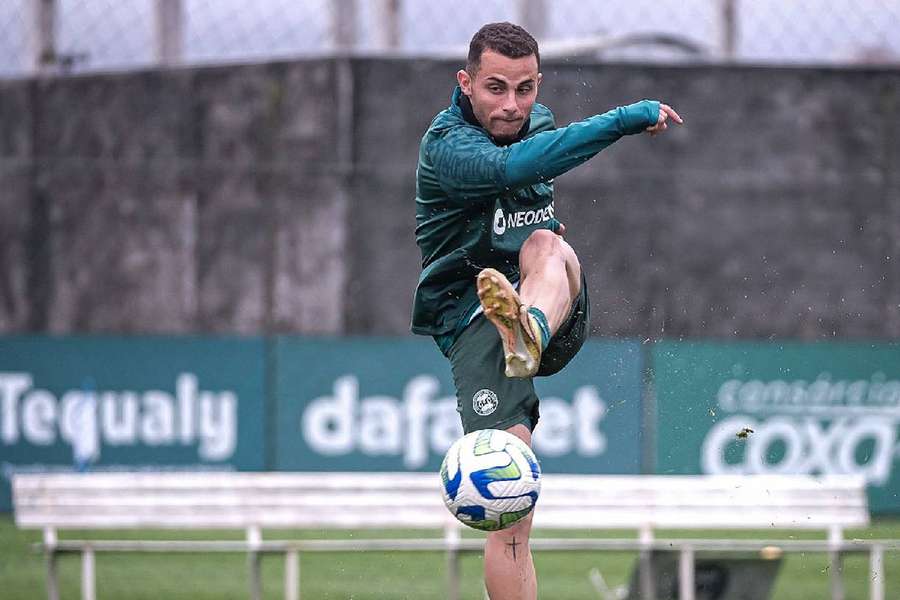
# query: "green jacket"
[[477, 202]]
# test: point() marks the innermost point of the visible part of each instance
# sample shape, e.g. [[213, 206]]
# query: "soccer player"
[[501, 292]]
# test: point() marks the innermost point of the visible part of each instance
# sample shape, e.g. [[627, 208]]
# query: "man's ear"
[[465, 81], [537, 84]]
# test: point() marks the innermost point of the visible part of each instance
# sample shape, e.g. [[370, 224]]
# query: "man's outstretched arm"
[[467, 163]]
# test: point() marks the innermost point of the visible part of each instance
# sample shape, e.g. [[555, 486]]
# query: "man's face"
[[502, 92]]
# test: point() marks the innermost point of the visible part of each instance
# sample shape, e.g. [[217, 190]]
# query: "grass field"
[[365, 576]]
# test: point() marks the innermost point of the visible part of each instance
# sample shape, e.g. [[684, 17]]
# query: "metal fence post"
[[876, 573], [291, 575], [388, 31], [451, 540], [42, 58], [343, 25], [169, 32], [52, 579], [254, 539], [646, 587], [88, 579], [686, 588], [729, 30], [50, 550], [835, 539], [532, 15], [255, 575], [837, 575]]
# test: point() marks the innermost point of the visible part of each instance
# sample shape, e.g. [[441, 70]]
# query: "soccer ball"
[[491, 479]]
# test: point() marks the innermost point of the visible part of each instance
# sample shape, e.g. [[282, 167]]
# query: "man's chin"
[[504, 135]]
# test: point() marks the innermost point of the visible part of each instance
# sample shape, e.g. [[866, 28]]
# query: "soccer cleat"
[[503, 308]]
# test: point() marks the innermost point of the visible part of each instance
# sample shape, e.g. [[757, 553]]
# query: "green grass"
[[373, 575]]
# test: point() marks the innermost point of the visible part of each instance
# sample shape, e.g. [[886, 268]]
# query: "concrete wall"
[[279, 198]]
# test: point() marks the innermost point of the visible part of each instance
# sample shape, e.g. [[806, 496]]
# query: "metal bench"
[[256, 501]]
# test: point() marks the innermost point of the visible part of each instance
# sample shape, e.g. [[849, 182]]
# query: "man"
[[501, 291]]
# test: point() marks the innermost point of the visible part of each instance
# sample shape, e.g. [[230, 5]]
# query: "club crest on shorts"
[[485, 402]]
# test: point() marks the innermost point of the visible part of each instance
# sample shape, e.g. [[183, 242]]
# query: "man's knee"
[[542, 244], [542, 241]]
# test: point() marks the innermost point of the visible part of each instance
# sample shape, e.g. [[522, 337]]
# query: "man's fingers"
[[665, 111], [668, 110], [657, 129]]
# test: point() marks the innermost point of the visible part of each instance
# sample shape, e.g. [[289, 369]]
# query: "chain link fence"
[[94, 35]]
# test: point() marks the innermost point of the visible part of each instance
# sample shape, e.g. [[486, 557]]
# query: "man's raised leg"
[[550, 279], [508, 566]]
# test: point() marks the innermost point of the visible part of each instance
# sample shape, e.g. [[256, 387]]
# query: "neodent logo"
[[522, 218], [85, 418]]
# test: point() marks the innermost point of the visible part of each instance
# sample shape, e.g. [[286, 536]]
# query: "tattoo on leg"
[[513, 544]]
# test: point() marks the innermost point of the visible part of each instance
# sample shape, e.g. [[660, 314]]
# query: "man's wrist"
[[639, 116]]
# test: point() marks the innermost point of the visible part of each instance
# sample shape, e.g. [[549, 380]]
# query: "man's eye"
[[525, 90], [495, 89]]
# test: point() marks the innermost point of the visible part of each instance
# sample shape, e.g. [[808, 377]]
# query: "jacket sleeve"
[[467, 163]]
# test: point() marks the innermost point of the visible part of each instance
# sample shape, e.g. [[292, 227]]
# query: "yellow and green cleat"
[[520, 334]]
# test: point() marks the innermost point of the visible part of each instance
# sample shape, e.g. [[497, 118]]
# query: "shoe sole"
[[505, 310]]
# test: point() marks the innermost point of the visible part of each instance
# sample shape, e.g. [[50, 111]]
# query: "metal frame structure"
[[687, 549], [254, 501], [44, 59]]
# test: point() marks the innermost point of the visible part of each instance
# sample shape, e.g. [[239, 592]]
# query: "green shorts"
[[488, 399]]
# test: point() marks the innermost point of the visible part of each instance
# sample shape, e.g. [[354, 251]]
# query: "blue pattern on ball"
[[451, 486], [475, 512]]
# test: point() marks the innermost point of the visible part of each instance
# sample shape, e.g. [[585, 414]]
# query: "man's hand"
[[557, 227], [665, 111]]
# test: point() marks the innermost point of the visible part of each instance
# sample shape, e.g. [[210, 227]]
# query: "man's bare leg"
[[508, 566], [550, 276], [550, 280]]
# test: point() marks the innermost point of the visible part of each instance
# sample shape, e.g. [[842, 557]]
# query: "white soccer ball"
[[491, 479]]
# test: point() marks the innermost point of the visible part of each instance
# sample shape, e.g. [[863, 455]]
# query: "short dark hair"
[[504, 38]]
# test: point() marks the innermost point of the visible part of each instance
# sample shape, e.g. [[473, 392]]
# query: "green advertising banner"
[[389, 405], [89, 403], [825, 408]]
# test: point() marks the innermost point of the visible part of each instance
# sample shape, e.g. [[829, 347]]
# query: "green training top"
[[477, 201]]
